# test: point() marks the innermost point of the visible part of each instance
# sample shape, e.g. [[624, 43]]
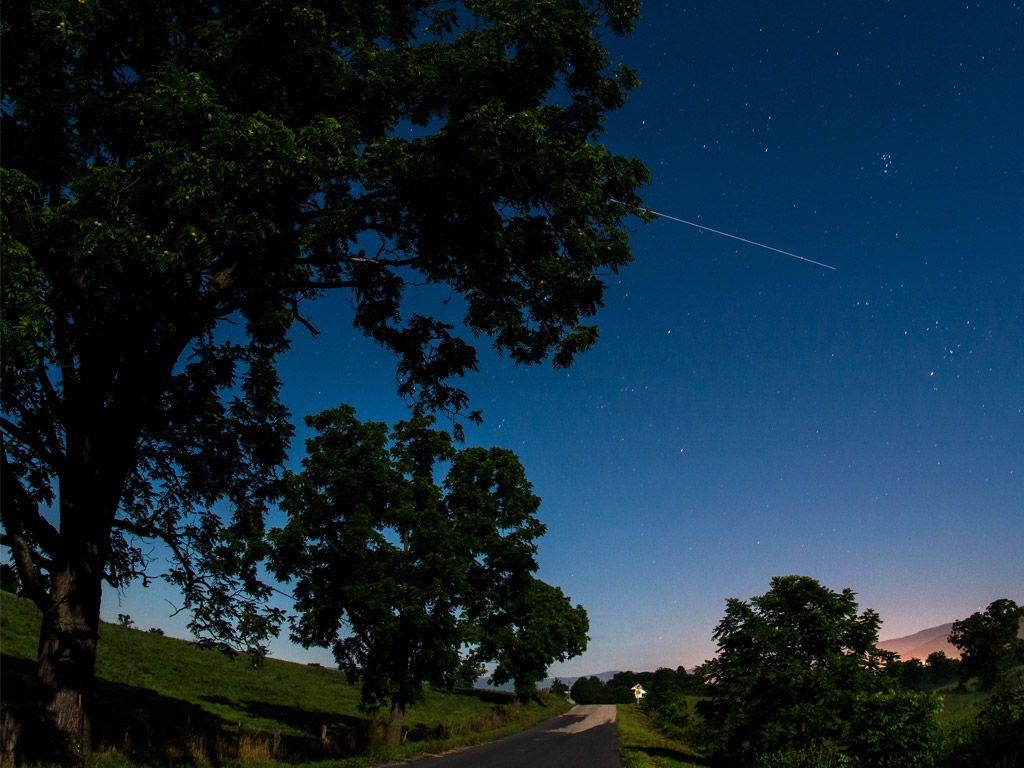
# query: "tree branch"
[[143, 532], [48, 389], [310, 260], [15, 509], [327, 284], [22, 553], [313, 330], [34, 440], [20, 513], [151, 531], [38, 558]]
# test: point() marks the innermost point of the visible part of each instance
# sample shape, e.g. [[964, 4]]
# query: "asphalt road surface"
[[584, 737]]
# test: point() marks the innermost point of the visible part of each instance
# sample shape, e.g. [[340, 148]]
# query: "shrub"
[[799, 667], [996, 737], [894, 729], [664, 705], [825, 755]]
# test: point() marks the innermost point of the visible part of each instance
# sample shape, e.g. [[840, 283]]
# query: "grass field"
[[166, 699], [643, 746]]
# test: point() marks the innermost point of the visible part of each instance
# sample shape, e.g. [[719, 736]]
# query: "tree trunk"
[[393, 734], [67, 659], [69, 631]]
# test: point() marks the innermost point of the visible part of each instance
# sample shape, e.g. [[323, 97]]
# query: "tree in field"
[[798, 669], [989, 641], [386, 561], [180, 178], [524, 629]]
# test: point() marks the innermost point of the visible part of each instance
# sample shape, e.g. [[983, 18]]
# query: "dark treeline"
[[619, 688], [937, 671]]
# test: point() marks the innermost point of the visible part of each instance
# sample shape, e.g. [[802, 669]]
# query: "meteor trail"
[[737, 237]]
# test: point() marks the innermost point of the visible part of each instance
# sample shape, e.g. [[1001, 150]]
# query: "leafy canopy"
[[798, 668], [524, 629], [387, 562], [180, 178], [990, 641]]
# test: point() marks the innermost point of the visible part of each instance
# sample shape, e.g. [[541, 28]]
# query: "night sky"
[[746, 414]]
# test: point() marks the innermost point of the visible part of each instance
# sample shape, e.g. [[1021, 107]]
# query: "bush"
[[798, 668], [825, 755], [665, 704], [996, 737], [895, 729]]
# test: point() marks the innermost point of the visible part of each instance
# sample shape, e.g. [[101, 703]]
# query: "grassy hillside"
[[166, 698]]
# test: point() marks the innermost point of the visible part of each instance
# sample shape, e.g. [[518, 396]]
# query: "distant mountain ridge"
[[920, 644]]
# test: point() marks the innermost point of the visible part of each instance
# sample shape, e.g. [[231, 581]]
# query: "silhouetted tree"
[[588, 690], [798, 668], [989, 641], [526, 628], [178, 178], [941, 669], [386, 562]]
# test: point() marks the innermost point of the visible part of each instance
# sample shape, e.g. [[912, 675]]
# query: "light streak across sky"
[[737, 237]]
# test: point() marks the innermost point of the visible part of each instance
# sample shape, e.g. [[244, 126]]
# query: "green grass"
[[960, 707], [643, 746], [150, 687]]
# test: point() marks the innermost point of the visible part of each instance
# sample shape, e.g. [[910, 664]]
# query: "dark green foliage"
[[996, 738], [590, 690], [825, 755], [397, 573], [665, 703], [936, 671], [893, 729], [178, 178], [798, 669], [940, 669], [9, 581], [989, 641], [618, 689], [525, 629]]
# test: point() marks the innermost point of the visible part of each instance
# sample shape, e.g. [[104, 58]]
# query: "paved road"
[[584, 737]]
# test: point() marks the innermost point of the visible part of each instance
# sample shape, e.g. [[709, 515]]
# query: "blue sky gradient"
[[745, 414]]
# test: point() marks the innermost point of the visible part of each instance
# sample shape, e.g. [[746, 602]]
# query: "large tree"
[[990, 641], [799, 670], [385, 561], [178, 178], [524, 628]]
